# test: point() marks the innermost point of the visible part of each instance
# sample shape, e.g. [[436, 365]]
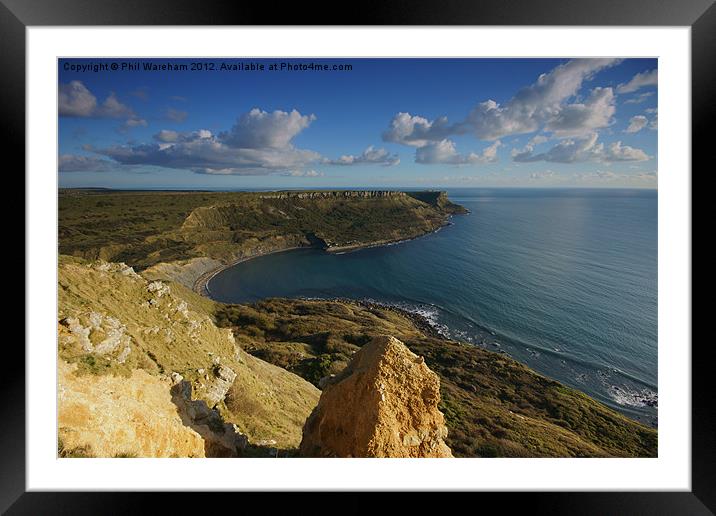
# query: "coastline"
[[428, 329], [350, 248], [200, 285], [421, 322]]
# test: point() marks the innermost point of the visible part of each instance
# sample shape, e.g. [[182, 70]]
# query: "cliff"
[[383, 404], [185, 236], [143, 363], [114, 416], [148, 368]]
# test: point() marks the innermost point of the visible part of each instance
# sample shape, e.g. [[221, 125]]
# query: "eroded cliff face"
[[146, 372], [336, 194], [185, 236], [384, 404], [114, 416], [194, 272]]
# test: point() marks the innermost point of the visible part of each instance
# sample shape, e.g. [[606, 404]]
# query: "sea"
[[563, 280]]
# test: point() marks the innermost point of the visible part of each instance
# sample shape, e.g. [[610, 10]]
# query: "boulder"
[[383, 404], [219, 384]]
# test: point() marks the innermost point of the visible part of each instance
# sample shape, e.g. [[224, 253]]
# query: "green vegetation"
[[165, 329], [493, 405], [83, 452], [79, 452], [145, 228]]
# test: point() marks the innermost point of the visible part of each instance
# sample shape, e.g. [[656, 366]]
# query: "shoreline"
[[383, 243], [424, 326], [201, 283], [422, 323]]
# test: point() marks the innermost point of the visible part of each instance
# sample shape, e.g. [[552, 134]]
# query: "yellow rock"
[[110, 416], [384, 404]]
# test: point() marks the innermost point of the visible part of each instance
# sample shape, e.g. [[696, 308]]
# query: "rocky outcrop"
[[139, 339], [97, 334], [218, 384], [333, 194], [114, 416], [384, 404], [221, 438], [185, 272]]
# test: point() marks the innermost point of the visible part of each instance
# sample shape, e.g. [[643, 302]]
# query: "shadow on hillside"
[[256, 451], [221, 438]]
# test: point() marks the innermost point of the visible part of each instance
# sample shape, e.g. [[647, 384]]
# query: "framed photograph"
[[446, 248]]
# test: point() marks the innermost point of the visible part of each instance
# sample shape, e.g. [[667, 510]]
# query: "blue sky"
[[385, 122]]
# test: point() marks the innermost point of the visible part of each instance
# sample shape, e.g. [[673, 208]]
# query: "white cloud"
[[259, 143], [604, 175], [542, 105], [638, 99], [608, 176], [303, 173], [582, 149], [640, 80], [169, 136], [636, 124], [131, 123], [417, 131], [582, 118], [369, 156], [259, 129], [537, 139], [77, 163], [617, 152], [113, 108], [444, 152], [529, 148], [75, 100], [211, 156], [651, 175], [545, 174]]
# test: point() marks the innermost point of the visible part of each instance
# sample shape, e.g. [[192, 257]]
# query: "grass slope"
[[494, 406], [169, 329], [146, 228]]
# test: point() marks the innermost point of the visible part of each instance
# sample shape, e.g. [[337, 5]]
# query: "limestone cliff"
[[111, 416], [184, 236], [383, 404], [149, 347]]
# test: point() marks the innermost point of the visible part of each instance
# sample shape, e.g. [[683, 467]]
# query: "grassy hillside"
[[114, 322], [494, 406], [147, 228]]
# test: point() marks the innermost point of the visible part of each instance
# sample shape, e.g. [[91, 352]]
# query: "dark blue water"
[[562, 280]]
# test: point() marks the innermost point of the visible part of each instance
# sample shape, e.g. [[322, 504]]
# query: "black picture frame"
[[700, 15]]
